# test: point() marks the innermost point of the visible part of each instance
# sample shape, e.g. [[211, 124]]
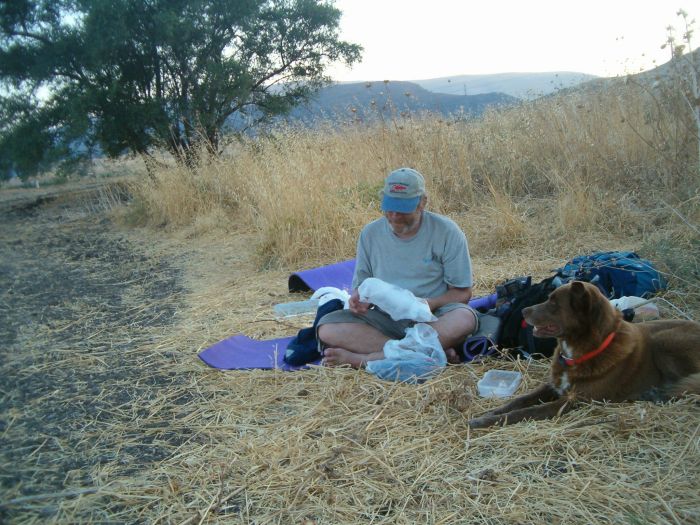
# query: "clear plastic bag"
[[413, 359]]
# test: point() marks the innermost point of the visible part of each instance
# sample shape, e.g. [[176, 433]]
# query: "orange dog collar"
[[590, 355]]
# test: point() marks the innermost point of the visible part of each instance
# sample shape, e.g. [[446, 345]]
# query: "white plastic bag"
[[398, 302], [414, 358], [328, 293], [644, 309]]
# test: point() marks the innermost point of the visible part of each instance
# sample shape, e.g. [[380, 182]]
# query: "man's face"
[[405, 224]]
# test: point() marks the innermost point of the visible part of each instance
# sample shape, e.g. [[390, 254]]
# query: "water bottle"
[[296, 308]]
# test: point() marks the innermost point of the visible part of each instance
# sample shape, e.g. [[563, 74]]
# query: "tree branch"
[[27, 34]]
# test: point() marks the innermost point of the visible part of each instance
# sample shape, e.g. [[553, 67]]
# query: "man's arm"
[[363, 267], [452, 295]]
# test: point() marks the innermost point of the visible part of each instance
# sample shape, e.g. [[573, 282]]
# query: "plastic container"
[[499, 383], [296, 308]]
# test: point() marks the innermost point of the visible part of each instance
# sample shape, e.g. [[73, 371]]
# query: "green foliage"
[[128, 75]]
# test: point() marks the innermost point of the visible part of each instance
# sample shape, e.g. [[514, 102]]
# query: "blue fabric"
[[617, 274], [303, 348], [396, 204]]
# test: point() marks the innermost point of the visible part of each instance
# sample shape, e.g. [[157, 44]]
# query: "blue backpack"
[[617, 274]]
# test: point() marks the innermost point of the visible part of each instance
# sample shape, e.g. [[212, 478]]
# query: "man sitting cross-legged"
[[414, 249]]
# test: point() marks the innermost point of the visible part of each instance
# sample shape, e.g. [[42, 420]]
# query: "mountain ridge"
[[363, 100], [520, 85], [523, 85], [467, 95]]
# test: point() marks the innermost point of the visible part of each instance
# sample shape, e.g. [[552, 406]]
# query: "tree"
[[129, 75]]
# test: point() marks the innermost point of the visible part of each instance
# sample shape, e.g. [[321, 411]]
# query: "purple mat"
[[240, 353], [487, 302], [338, 275]]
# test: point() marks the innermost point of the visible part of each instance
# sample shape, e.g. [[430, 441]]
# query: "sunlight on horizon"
[[409, 41]]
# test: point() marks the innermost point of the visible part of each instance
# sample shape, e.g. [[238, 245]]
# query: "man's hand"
[[355, 305]]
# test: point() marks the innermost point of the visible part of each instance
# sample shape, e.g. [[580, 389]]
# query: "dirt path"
[[76, 299]]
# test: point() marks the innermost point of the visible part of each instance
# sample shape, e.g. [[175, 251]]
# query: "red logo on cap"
[[399, 187]]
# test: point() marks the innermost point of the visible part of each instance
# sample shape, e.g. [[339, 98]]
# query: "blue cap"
[[403, 190]]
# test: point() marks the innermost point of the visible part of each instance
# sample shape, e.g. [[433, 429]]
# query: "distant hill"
[[684, 63], [372, 99], [524, 86], [467, 94], [661, 73]]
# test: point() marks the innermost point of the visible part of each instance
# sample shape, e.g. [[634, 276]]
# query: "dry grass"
[[178, 442], [337, 446], [531, 187], [610, 168], [601, 161]]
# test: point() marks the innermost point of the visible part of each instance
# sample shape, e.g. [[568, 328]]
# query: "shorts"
[[380, 320]]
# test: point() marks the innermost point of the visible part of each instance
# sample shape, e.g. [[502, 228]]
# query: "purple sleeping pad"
[[338, 275], [241, 352]]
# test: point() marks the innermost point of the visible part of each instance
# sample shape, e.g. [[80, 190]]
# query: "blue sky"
[[413, 40]]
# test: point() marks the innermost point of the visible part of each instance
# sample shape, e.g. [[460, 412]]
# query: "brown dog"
[[602, 357]]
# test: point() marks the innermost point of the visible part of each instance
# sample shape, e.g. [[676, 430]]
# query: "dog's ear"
[[580, 298]]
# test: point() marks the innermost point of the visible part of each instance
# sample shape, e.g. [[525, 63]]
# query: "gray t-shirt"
[[437, 256]]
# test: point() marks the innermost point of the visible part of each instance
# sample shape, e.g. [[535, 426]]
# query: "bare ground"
[[76, 298]]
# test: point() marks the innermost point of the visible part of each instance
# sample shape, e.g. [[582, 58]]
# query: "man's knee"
[[457, 324], [324, 332], [335, 333], [469, 322]]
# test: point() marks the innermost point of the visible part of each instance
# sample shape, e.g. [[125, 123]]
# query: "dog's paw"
[[483, 421]]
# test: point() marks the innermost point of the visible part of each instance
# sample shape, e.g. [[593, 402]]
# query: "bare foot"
[[340, 356], [452, 356]]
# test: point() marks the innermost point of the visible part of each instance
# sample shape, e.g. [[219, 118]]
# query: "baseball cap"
[[403, 189]]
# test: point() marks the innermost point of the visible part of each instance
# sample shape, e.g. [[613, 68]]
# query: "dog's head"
[[572, 310]]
